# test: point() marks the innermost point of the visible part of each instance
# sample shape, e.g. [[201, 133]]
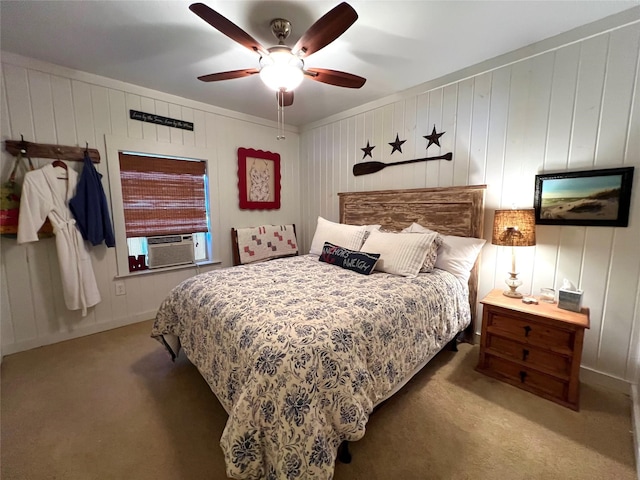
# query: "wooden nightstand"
[[534, 347]]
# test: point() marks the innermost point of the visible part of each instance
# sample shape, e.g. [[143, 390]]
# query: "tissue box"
[[570, 300]]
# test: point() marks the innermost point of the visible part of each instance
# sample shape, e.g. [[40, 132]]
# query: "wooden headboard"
[[449, 210]]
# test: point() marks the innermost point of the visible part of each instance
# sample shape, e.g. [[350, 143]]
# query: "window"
[[160, 196], [163, 197]]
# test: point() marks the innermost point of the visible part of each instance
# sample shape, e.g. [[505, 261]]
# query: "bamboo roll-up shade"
[[162, 196]]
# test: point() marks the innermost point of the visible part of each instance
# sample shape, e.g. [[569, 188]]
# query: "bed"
[[299, 351]]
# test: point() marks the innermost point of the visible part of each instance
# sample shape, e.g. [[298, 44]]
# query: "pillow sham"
[[400, 253], [456, 255], [348, 236], [369, 229], [359, 262], [432, 254]]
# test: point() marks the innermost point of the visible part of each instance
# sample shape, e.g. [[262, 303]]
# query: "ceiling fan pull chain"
[[280, 102]]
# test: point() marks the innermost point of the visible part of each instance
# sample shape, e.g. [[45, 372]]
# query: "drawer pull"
[[527, 329], [525, 354], [523, 375]]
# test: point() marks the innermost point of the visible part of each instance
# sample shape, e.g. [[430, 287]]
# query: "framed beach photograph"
[[258, 179], [586, 198]]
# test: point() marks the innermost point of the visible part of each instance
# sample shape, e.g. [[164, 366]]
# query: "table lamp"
[[514, 228]]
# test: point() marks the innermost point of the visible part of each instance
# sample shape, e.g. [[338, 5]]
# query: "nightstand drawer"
[[533, 356], [526, 378], [530, 332]]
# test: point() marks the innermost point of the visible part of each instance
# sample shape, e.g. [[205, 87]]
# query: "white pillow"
[[346, 236], [400, 253], [458, 254]]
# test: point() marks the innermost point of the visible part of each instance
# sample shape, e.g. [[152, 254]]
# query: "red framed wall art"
[[258, 179]]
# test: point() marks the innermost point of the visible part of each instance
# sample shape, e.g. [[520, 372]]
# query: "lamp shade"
[[514, 228]]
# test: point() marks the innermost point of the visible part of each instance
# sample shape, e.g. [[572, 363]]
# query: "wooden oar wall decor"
[[365, 168]]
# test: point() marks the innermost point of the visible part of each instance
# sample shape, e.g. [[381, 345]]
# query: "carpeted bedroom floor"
[[113, 406]]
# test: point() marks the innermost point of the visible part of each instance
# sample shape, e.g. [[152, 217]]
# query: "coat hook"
[[23, 145]]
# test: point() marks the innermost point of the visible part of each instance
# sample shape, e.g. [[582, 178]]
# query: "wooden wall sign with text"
[[160, 120]]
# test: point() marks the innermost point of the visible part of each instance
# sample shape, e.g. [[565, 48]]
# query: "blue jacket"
[[89, 207]]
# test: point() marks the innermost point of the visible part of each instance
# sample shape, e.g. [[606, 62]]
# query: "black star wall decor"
[[434, 137], [367, 150], [397, 145]]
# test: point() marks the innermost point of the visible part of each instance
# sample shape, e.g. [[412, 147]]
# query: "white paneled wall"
[[49, 104], [571, 108]]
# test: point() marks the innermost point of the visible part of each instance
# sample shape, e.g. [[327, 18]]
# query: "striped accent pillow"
[[432, 255], [400, 253]]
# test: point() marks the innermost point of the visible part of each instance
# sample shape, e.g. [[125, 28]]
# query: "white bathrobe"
[[45, 194]]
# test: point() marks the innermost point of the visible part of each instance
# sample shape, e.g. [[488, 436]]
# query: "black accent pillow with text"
[[360, 262]]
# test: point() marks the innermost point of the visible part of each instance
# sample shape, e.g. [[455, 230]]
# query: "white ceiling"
[[395, 45]]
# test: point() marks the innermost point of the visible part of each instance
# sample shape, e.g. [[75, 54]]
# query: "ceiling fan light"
[[281, 78], [281, 70]]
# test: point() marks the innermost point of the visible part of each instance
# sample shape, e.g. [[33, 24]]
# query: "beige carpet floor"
[[113, 406]]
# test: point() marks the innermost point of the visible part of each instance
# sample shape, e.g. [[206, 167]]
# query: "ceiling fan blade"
[[285, 99], [215, 77], [326, 29], [335, 77], [227, 27]]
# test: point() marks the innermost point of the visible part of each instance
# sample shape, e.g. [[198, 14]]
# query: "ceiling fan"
[[281, 67]]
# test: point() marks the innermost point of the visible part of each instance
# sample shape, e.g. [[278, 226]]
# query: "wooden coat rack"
[[57, 152]]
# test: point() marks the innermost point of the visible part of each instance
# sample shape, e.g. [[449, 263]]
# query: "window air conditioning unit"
[[170, 250]]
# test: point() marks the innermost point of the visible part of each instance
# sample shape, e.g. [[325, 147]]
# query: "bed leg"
[[453, 344], [343, 452]]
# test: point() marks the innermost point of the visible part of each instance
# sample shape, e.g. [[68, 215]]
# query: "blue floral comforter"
[[299, 351]]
